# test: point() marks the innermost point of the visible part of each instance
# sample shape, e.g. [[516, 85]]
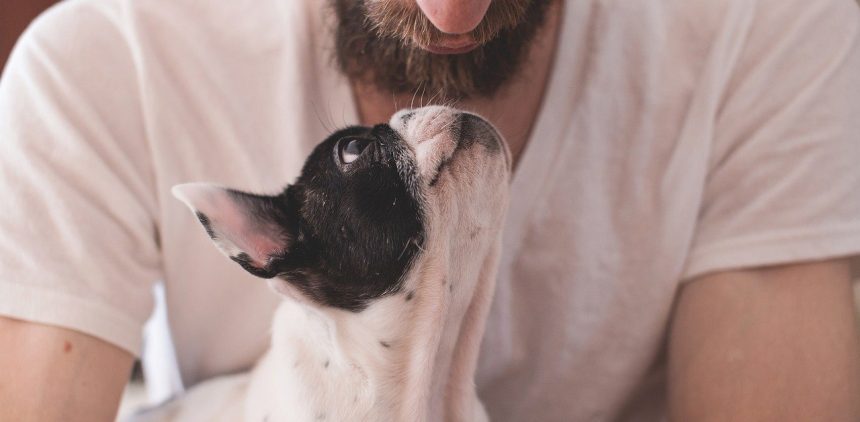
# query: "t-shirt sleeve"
[[784, 178], [77, 230]]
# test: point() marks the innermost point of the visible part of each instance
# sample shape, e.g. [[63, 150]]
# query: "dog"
[[385, 250]]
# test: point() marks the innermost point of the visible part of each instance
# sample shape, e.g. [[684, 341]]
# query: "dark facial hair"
[[371, 49]]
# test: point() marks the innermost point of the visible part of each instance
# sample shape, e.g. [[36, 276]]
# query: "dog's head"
[[366, 205]]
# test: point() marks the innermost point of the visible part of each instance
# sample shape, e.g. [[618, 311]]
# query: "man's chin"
[[451, 44], [445, 50]]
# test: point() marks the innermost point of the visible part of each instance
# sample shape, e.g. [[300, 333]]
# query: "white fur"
[[330, 364]]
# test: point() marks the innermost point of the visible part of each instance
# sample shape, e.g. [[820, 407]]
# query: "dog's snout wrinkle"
[[438, 125]]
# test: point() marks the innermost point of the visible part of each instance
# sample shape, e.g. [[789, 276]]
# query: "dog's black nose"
[[474, 128]]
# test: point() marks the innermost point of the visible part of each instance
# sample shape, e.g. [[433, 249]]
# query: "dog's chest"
[[312, 373]]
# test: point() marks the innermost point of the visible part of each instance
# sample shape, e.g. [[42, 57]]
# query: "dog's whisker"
[[412, 101], [438, 94], [417, 245], [406, 246], [423, 92], [331, 119], [319, 118]]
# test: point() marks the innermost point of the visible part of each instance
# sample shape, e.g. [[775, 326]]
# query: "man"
[[686, 202]]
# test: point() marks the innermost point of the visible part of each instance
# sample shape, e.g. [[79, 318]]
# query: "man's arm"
[[773, 344], [56, 374], [78, 244]]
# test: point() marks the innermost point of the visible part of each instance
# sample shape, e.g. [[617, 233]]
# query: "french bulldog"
[[385, 251]]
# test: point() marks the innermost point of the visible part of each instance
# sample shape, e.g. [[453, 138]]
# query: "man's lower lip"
[[437, 49]]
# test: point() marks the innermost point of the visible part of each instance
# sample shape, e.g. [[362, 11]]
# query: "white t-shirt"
[[676, 138]]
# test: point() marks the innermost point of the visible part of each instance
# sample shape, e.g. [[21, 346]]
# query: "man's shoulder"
[[709, 17], [73, 23]]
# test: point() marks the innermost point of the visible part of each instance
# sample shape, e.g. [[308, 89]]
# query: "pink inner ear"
[[261, 243], [257, 239], [237, 229]]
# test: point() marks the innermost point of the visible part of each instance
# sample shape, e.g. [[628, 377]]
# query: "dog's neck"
[[408, 356]]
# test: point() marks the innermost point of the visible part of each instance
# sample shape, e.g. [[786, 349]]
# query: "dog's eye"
[[349, 149]]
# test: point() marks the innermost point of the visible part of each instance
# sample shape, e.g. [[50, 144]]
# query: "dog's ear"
[[252, 230]]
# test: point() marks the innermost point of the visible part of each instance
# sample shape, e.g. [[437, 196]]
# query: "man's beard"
[[377, 43]]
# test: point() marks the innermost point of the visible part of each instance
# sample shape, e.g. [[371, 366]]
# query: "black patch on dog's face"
[[354, 227]]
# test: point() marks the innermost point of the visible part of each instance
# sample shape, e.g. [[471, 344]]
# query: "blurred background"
[[15, 15]]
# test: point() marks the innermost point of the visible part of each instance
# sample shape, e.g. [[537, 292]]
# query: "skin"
[[57, 374], [768, 344], [453, 17], [772, 344]]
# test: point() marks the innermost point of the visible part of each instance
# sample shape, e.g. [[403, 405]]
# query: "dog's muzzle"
[[437, 133]]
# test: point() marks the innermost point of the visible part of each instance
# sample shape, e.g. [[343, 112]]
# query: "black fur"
[[207, 225], [473, 128], [351, 230]]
